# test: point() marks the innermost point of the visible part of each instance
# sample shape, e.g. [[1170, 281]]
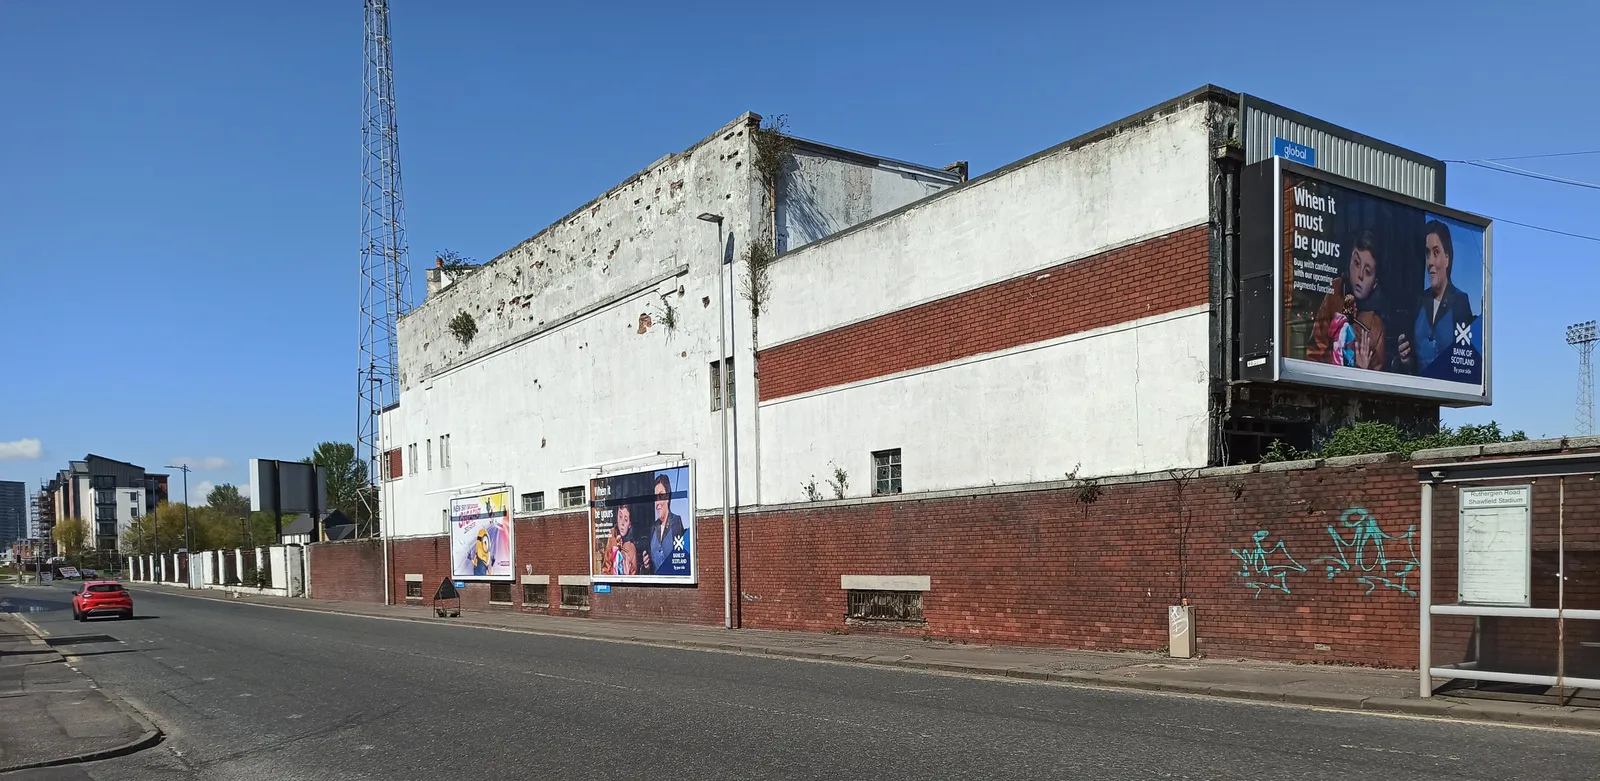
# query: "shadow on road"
[[80, 639], [81, 654]]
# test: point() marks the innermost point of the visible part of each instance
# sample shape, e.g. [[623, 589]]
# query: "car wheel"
[[79, 617], [127, 615]]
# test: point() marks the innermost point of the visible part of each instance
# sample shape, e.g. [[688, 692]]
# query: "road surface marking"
[[992, 678]]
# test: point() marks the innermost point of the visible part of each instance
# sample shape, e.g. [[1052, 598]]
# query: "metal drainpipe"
[[1230, 269]]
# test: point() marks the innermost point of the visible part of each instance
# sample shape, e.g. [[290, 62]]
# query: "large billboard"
[[641, 527], [1349, 286], [480, 537]]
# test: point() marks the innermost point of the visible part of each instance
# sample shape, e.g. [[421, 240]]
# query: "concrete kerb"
[[1489, 712], [149, 736]]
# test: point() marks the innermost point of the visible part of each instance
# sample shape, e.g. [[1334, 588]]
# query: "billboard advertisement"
[[1370, 290], [641, 527], [480, 537]]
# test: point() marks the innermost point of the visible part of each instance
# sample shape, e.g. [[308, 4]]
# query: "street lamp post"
[[722, 393], [188, 534]]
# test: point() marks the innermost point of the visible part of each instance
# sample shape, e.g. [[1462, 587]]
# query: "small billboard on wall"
[[481, 544], [641, 526], [1349, 286]]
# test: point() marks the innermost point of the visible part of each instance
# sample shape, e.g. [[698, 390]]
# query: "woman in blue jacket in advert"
[[1440, 309]]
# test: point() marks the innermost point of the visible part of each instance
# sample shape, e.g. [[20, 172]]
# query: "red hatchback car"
[[100, 598]]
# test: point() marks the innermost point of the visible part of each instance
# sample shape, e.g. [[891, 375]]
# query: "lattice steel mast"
[[1582, 337], [385, 275]]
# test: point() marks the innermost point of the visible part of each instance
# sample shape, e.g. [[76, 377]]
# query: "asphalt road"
[[248, 692]]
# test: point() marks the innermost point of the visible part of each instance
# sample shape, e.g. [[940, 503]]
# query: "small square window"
[[575, 597], [536, 594], [886, 472], [500, 593], [533, 502], [413, 589], [572, 496]]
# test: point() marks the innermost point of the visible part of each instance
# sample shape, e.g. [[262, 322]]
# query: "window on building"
[[533, 502], [500, 593], [536, 594], [575, 597], [886, 472], [105, 497], [394, 465], [413, 589], [572, 497], [428, 445], [722, 374], [105, 481], [413, 449], [444, 451], [133, 496]]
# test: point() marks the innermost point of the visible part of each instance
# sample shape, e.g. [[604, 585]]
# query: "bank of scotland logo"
[[677, 543], [1464, 334]]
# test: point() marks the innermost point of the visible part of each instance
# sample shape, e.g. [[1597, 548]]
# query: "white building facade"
[[597, 339], [1065, 316]]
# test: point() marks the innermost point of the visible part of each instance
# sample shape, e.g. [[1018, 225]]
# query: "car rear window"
[[104, 588]]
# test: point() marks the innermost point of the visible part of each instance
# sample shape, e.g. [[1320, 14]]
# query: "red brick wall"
[[1159, 275], [556, 545], [348, 571], [1045, 568]]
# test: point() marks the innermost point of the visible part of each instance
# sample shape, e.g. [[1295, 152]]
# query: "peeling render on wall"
[[636, 231]]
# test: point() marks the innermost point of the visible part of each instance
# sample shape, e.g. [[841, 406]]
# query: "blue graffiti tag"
[[1373, 556], [1259, 570]]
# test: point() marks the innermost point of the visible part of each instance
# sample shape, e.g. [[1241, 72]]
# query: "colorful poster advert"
[[641, 527], [1381, 292], [480, 537]]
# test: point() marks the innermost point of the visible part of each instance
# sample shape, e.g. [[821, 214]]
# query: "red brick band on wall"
[[1153, 277]]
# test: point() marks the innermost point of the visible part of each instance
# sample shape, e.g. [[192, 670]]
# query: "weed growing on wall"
[[1364, 438], [840, 483], [464, 327], [772, 148], [759, 258]]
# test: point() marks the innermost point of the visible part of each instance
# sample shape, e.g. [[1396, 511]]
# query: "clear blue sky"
[[179, 181]]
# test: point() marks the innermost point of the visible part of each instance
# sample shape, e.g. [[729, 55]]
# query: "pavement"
[[1330, 686], [246, 692], [54, 714]]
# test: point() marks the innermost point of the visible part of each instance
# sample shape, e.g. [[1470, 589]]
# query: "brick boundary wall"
[[1298, 562], [347, 571], [1152, 277]]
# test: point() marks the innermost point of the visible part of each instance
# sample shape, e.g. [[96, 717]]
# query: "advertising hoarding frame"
[[511, 525], [1271, 364], [693, 579]]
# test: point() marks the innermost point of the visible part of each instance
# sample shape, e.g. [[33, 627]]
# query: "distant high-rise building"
[[13, 511]]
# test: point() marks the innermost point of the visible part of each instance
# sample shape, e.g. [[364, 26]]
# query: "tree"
[[347, 479], [141, 536], [71, 535], [227, 500]]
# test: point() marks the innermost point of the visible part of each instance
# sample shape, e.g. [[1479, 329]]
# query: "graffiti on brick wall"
[[1266, 568], [1361, 550], [1373, 557]]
